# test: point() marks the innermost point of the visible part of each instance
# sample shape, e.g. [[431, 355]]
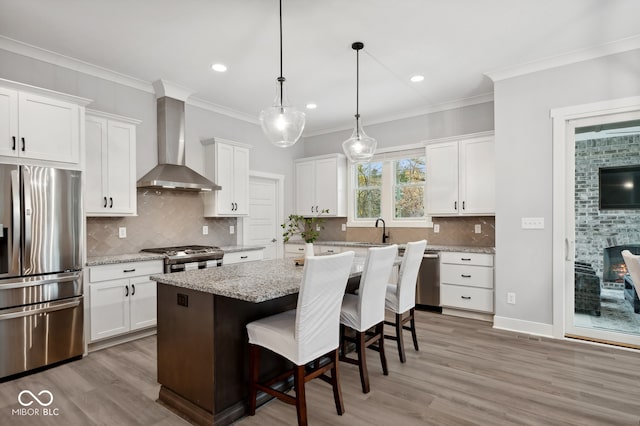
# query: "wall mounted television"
[[619, 187]]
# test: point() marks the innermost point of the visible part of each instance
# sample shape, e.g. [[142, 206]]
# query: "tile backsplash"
[[165, 218], [454, 231]]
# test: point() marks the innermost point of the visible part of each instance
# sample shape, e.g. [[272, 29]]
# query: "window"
[[391, 186]]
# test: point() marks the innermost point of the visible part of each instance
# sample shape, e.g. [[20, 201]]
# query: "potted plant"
[[306, 227]]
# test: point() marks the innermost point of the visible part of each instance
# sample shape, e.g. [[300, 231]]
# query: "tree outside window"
[[409, 188], [368, 190]]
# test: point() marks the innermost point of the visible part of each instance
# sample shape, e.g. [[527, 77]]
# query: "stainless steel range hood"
[[171, 172]]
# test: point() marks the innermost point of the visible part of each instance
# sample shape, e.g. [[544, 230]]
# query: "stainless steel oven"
[[186, 258]]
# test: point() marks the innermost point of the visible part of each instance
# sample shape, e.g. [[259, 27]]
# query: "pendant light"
[[282, 123], [359, 148]]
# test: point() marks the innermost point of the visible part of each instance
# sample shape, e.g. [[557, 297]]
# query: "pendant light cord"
[[357, 84], [281, 78]]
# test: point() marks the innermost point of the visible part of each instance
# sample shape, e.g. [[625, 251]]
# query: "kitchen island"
[[202, 341]]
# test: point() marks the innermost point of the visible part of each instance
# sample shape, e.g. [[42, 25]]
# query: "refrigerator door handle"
[[35, 281], [26, 183], [40, 308], [15, 204]]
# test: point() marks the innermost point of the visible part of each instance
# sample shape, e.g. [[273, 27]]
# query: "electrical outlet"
[[478, 229], [122, 232], [344, 226], [511, 298], [533, 223], [436, 228], [232, 229], [317, 227], [205, 230]]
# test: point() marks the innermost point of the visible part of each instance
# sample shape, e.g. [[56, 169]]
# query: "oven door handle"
[[40, 308]]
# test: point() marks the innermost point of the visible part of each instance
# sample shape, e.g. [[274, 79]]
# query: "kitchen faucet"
[[384, 229]]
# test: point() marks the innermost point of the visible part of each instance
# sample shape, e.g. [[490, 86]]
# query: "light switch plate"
[[477, 229], [344, 226], [205, 230], [232, 229], [436, 228], [533, 223], [122, 232]]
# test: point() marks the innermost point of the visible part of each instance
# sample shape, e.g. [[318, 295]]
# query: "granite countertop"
[[234, 249], [430, 247], [251, 281], [122, 258]]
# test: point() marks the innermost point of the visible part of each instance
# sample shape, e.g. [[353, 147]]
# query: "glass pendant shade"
[[359, 148], [281, 123]]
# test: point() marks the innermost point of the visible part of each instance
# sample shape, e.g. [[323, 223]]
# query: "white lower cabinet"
[[466, 281], [122, 298], [242, 256]]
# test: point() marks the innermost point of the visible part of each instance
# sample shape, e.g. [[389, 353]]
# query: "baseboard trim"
[[482, 316], [522, 326], [123, 338]]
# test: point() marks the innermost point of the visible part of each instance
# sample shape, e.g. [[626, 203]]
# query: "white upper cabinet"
[[461, 178], [227, 164], [39, 127], [321, 185], [110, 165]]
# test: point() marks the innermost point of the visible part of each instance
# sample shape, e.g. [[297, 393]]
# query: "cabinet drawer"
[[472, 298], [242, 256], [124, 270], [472, 276], [327, 250], [482, 259], [294, 248]]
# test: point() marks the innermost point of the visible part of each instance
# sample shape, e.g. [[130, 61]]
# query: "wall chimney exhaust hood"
[[171, 171]]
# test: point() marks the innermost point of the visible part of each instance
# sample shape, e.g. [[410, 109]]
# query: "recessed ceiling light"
[[312, 106], [417, 78], [219, 67]]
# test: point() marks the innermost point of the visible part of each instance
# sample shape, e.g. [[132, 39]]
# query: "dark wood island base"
[[203, 352]]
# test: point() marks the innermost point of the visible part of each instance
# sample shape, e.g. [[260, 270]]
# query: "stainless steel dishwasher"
[[428, 286]]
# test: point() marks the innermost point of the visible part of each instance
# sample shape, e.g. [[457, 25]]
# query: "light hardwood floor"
[[466, 373]]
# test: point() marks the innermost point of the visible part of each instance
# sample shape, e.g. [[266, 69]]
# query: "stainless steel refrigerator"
[[41, 301]]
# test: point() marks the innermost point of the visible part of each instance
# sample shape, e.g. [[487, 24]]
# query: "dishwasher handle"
[[431, 256]]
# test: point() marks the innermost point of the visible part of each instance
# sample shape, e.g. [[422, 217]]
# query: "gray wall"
[[123, 100], [524, 170], [453, 122]]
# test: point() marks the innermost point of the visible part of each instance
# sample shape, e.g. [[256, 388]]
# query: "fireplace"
[[614, 268]]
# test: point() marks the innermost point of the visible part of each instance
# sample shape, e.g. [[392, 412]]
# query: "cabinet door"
[[109, 308], [305, 188], [225, 178], [8, 122], [95, 174], [477, 177], [326, 182], [241, 180], [121, 157], [442, 179], [49, 129], [142, 303]]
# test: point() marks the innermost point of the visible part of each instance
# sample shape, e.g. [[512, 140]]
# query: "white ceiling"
[[452, 43]]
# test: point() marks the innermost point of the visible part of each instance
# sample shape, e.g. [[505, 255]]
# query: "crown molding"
[[459, 103], [606, 49], [229, 112]]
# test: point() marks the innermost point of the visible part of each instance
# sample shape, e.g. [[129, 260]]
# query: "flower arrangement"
[[303, 226]]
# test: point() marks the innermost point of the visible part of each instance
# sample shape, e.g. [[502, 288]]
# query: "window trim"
[[386, 208]]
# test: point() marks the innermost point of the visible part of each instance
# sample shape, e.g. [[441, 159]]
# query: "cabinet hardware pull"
[[466, 297], [13, 148], [463, 205], [316, 209], [110, 202], [465, 276], [127, 291], [133, 289], [329, 251], [466, 259], [129, 270], [311, 209], [22, 144], [243, 257], [105, 202], [300, 249], [455, 205], [236, 206]]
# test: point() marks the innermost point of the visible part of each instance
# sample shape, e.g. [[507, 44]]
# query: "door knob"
[[274, 240]]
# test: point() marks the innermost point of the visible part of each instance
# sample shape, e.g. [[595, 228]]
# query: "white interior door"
[[610, 323], [262, 226]]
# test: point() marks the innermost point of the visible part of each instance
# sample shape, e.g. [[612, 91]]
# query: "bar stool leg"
[[362, 361], [335, 383], [399, 338], [301, 402], [413, 329], [254, 370], [383, 357]]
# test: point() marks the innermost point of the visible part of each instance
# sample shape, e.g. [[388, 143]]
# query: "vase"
[[308, 250]]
